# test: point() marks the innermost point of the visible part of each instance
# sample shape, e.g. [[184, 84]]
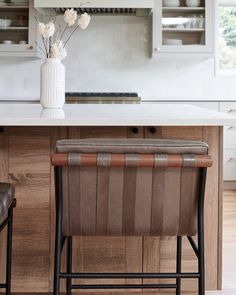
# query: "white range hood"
[[97, 6]]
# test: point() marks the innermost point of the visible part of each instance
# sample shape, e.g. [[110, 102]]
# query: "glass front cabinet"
[[183, 26], [18, 28]]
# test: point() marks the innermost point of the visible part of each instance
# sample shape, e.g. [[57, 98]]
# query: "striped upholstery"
[[130, 200]]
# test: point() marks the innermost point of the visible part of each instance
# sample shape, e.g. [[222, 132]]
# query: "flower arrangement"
[[55, 41]]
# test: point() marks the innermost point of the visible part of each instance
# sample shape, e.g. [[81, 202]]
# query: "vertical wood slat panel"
[[211, 135], [29, 168]]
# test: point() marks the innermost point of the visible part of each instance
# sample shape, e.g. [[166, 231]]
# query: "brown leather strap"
[[131, 160]]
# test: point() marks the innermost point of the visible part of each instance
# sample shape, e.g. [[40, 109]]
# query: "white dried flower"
[[49, 30], [70, 17], [41, 28], [58, 50], [84, 20]]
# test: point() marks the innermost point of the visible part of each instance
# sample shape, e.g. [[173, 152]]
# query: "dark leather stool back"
[[7, 203], [130, 187]]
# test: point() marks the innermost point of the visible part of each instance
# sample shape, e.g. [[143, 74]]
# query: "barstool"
[[7, 203], [153, 188]]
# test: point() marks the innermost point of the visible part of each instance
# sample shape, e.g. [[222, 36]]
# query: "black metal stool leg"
[[9, 251], [201, 260], [58, 237], [69, 265], [178, 264]]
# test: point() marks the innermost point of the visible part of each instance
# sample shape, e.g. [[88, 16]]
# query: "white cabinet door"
[[22, 32], [229, 142], [230, 165], [183, 29]]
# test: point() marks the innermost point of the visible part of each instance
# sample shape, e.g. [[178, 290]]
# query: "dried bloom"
[[41, 28], [58, 50], [84, 20], [70, 17], [49, 30]]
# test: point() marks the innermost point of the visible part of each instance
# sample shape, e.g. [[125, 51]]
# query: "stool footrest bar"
[[129, 275], [129, 286]]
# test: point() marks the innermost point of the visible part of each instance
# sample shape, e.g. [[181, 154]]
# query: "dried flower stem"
[[66, 27], [68, 39]]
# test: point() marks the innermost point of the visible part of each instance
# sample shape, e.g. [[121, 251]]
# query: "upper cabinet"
[[18, 28], [183, 26]]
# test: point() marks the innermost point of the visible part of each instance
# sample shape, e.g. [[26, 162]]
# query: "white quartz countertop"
[[169, 114]]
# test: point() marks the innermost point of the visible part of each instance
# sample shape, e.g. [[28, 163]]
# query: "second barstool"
[[7, 203], [130, 188]]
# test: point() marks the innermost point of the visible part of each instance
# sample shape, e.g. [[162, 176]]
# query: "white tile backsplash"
[[113, 55]]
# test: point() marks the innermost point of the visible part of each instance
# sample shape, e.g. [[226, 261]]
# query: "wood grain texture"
[[29, 170], [211, 135]]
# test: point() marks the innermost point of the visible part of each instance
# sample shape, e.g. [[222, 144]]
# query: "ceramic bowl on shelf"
[[193, 3], [8, 42], [167, 41], [171, 3], [4, 22]]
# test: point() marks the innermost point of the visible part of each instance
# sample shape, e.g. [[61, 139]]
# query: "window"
[[227, 36]]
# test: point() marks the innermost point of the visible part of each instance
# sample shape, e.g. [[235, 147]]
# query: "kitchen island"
[[27, 140]]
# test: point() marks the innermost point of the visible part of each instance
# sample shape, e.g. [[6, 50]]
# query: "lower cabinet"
[[229, 143]]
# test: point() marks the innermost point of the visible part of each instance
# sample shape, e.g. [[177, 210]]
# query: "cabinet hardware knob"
[[152, 130], [157, 49], [135, 130], [31, 47]]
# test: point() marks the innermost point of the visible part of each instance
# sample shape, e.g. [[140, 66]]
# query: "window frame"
[[230, 73]]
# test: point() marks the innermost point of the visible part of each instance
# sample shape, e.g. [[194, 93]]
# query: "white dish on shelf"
[[8, 42], [19, 2], [193, 3], [171, 3], [167, 41], [4, 22]]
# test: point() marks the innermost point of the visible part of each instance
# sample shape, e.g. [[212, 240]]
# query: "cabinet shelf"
[[183, 30], [3, 7], [182, 9], [14, 28]]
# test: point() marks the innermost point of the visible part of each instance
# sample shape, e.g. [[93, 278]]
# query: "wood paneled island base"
[[25, 161]]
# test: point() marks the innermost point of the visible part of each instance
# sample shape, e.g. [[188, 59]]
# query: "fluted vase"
[[52, 86]]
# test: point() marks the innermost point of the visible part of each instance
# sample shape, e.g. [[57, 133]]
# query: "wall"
[[113, 55]]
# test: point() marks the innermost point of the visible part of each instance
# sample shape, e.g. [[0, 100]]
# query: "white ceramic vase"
[[52, 88]]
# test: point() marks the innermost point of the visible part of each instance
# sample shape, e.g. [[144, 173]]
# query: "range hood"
[[134, 7]]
